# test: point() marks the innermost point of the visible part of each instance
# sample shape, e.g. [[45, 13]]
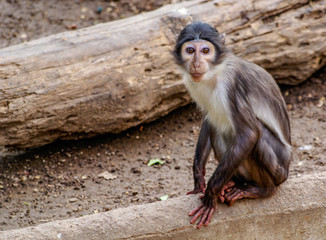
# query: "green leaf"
[[165, 197], [151, 162]]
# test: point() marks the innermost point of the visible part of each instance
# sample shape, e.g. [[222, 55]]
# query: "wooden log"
[[116, 75]]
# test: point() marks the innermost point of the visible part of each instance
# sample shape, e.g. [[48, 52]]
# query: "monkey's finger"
[[197, 215], [222, 192], [203, 218], [233, 196], [195, 210], [226, 187], [193, 192], [201, 196], [212, 210], [222, 198], [230, 184], [229, 190], [230, 194]]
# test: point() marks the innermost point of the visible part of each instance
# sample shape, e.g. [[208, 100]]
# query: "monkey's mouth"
[[197, 76]]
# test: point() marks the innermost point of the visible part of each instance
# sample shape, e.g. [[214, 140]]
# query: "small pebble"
[[72, 27], [107, 176], [71, 200], [135, 170], [23, 36]]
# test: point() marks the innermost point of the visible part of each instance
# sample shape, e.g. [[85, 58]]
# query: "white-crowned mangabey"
[[245, 121]]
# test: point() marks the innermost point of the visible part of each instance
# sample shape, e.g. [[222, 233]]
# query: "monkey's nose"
[[196, 65]]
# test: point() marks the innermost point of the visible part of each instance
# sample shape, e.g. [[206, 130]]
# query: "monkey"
[[245, 121]]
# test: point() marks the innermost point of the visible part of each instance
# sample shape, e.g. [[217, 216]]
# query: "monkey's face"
[[198, 56]]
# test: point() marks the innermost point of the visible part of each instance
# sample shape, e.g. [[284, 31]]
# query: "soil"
[[75, 178]]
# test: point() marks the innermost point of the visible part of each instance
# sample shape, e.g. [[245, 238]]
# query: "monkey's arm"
[[203, 148]]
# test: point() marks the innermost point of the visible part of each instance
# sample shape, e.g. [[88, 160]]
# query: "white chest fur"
[[211, 97]]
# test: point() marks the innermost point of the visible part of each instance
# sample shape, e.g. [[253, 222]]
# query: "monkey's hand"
[[199, 184], [205, 210]]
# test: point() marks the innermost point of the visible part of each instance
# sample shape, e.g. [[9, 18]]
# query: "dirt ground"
[[75, 178]]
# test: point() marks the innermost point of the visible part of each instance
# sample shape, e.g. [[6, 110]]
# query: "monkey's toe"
[[233, 195]]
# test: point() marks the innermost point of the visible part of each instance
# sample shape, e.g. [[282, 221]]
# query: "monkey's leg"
[[269, 168], [271, 159], [247, 191]]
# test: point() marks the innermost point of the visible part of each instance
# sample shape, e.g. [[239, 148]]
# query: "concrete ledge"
[[297, 211]]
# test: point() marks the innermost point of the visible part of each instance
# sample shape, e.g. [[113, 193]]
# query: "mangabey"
[[245, 121]]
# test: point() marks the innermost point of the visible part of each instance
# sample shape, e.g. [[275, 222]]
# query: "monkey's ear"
[[222, 36]]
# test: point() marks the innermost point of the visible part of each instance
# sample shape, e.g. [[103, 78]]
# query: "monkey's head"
[[198, 48]]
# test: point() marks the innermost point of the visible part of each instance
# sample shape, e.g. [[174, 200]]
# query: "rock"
[[72, 200], [107, 176]]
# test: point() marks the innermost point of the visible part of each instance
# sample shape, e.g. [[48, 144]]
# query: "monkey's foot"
[[238, 192], [226, 188], [205, 212]]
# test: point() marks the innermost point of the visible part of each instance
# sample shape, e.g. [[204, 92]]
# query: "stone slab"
[[296, 211]]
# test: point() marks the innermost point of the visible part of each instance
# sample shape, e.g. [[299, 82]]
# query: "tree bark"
[[116, 75]]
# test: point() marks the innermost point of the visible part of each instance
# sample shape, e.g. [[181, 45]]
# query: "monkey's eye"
[[205, 50], [190, 50]]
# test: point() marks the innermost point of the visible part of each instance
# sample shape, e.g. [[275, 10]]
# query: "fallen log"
[[116, 75]]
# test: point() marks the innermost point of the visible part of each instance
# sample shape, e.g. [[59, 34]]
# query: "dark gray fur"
[[256, 150]]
